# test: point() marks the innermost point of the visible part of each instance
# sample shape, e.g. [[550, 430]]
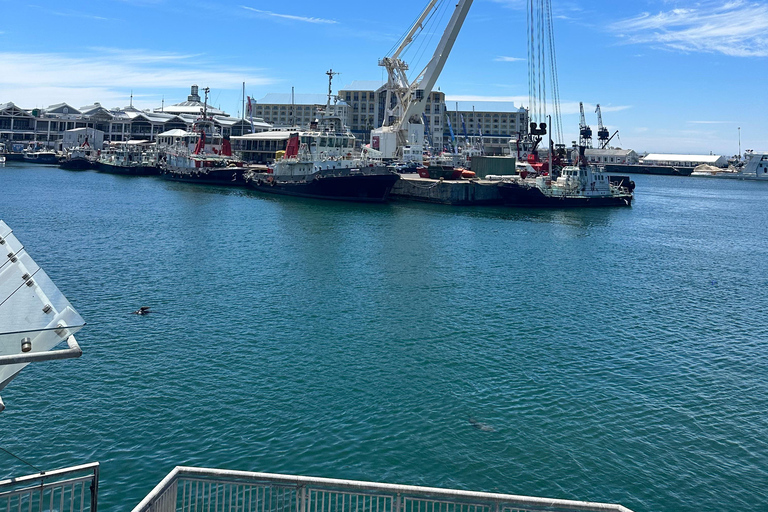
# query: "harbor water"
[[613, 355]]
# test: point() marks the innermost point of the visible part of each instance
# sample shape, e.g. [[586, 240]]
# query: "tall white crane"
[[406, 100]]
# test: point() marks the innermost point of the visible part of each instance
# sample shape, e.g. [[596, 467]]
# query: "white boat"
[[35, 316], [135, 158], [577, 186], [754, 168]]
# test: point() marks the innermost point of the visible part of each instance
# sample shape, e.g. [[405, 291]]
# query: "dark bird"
[[143, 310]]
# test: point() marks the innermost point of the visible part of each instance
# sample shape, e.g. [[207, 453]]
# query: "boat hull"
[[225, 176], [134, 170], [47, 159], [515, 194], [76, 164], [363, 188]]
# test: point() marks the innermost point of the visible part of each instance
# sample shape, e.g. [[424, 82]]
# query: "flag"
[[250, 114], [428, 131], [450, 129], [463, 127]]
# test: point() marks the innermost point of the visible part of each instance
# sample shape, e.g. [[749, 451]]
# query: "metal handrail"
[[34, 487], [165, 495]]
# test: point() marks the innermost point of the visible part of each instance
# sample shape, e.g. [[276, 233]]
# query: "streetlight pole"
[[739, 143]]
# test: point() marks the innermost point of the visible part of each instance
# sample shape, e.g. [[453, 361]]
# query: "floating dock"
[[453, 192]]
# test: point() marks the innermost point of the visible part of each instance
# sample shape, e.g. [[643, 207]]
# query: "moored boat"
[[199, 156], [754, 167], [318, 163], [79, 158], [40, 156], [134, 158], [575, 187]]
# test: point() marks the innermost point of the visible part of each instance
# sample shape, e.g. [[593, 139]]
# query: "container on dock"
[[483, 166]]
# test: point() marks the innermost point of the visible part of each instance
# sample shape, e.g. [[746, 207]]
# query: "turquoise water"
[[619, 355]]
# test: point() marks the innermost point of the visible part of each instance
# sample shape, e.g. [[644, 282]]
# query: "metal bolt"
[[25, 277], [30, 282], [26, 344], [47, 308]]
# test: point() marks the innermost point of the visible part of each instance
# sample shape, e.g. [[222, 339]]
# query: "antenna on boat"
[[206, 90], [330, 74]]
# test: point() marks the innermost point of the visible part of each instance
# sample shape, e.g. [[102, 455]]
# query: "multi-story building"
[[285, 110], [48, 125], [496, 122], [366, 101]]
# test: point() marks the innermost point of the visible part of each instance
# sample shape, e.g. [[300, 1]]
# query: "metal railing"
[[187, 489], [73, 489]]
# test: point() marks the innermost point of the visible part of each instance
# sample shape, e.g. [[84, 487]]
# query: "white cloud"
[[108, 76], [736, 28], [509, 59], [289, 16]]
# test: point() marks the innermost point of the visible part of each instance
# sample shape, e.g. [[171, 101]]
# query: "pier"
[[453, 192]]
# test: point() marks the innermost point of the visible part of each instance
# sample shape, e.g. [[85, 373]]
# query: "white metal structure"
[[187, 489], [72, 489], [405, 100], [35, 316]]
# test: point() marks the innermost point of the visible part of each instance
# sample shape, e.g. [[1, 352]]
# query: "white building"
[[611, 156], [78, 136], [684, 160]]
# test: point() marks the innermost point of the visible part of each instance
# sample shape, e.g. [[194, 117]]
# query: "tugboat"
[[199, 156], [79, 158], [318, 163], [576, 186], [134, 158]]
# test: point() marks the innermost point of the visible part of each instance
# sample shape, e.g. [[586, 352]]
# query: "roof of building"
[[661, 157], [190, 107], [363, 85], [176, 132], [269, 135], [608, 151], [61, 106], [298, 99]]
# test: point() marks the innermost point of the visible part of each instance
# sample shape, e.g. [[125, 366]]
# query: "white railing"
[[72, 489], [187, 489]]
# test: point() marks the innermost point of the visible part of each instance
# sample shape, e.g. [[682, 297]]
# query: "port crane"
[[585, 132], [603, 135], [406, 99]]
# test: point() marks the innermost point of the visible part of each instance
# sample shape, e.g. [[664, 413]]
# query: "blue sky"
[[671, 76]]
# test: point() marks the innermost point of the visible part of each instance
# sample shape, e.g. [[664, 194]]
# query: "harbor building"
[[287, 110], [19, 126], [488, 123], [611, 156]]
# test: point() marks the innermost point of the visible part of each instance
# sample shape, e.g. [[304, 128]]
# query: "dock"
[[472, 192]]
